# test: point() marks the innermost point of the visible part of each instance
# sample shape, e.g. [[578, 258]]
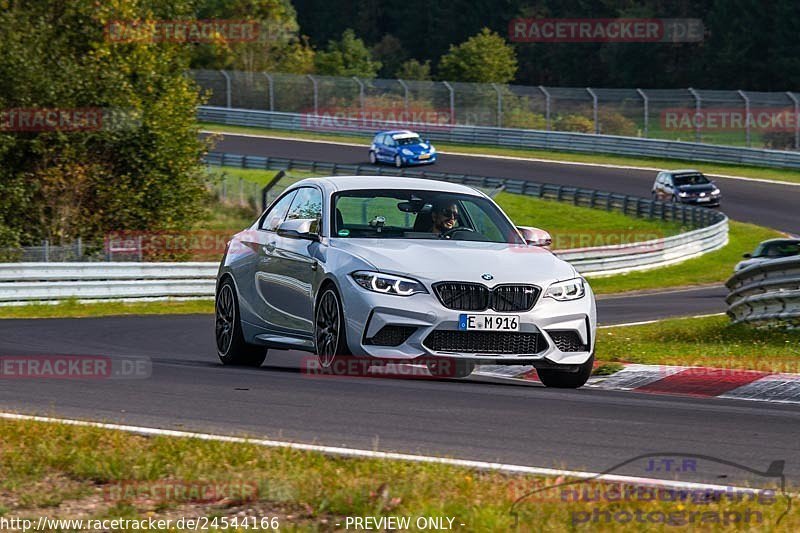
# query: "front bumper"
[[367, 313], [712, 201], [417, 160]]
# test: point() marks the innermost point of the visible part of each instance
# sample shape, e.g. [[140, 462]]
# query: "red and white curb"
[[682, 380]]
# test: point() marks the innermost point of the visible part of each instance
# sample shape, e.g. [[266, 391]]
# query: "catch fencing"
[[766, 293], [723, 117]]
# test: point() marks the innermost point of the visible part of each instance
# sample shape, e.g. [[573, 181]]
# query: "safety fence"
[[510, 137], [725, 117], [766, 293]]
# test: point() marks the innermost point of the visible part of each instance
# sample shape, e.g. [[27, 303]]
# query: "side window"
[[307, 203], [378, 139], [276, 214], [388, 141]]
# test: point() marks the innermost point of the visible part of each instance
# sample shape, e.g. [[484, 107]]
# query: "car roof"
[[780, 241], [683, 171], [398, 132], [350, 183]]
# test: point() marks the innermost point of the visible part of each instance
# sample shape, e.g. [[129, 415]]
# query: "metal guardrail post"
[[746, 116], [316, 93], [546, 105], [271, 91], [646, 102], [796, 119], [228, 97], [499, 106], [594, 109], [361, 102], [697, 109], [452, 102], [404, 85]]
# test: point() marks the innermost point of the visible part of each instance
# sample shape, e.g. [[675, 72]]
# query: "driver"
[[444, 214]]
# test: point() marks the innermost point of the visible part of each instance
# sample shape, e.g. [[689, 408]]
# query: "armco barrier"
[[766, 293], [519, 138]]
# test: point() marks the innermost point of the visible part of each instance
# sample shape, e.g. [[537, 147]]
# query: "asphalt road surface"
[[766, 204], [576, 429]]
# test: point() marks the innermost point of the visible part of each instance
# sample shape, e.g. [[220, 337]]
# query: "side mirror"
[[535, 236], [747, 256], [300, 228]]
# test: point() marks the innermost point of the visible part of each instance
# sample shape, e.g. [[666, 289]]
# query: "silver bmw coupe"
[[402, 270]]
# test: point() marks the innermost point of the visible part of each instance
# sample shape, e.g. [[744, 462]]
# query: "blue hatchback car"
[[401, 147]]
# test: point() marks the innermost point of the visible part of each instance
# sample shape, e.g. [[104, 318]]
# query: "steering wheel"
[[449, 233]]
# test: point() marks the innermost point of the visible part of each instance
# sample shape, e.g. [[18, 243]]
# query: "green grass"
[[711, 268], [709, 341], [74, 309], [81, 472], [785, 175]]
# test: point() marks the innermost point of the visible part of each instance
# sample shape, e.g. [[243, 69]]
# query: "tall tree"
[[485, 57], [348, 56]]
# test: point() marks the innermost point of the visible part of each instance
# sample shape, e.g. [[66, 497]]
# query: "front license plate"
[[425, 156], [488, 322], [706, 199]]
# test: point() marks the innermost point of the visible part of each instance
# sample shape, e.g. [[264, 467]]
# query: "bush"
[[778, 140], [613, 123], [574, 123]]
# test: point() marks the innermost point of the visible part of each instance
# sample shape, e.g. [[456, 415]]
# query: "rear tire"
[[449, 368], [231, 346], [560, 379], [398, 161], [373, 159]]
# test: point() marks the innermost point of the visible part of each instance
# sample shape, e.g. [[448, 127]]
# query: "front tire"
[[373, 159], [329, 332], [231, 346], [561, 379]]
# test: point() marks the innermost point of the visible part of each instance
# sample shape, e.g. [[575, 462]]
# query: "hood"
[[420, 148], [436, 260], [704, 187]]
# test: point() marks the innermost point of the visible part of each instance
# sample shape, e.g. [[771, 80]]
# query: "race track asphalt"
[[767, 204]]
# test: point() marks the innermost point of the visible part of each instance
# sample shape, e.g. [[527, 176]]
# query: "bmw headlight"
[[572, 289], [683, 194], [387, 283], [406, 151], [715, 192]]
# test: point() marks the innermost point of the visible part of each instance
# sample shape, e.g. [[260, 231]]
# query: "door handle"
[[313, 265]]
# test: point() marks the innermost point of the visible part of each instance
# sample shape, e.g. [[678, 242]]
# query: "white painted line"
[[509, 157], [371, 454], [658, 320]]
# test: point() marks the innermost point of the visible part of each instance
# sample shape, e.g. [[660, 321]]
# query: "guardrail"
[[514, 138], [29, 282], [766, 293]]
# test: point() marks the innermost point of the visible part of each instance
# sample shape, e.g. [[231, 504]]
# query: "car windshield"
[[416, 214], [778, 249], [405, 141], [690, 179]]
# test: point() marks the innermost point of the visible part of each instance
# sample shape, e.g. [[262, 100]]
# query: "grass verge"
[[74, 472], [709, 341], [775, 174], [75, 309]]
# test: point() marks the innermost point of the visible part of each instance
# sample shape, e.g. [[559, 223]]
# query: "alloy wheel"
[[328, 324], [224, 318]]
